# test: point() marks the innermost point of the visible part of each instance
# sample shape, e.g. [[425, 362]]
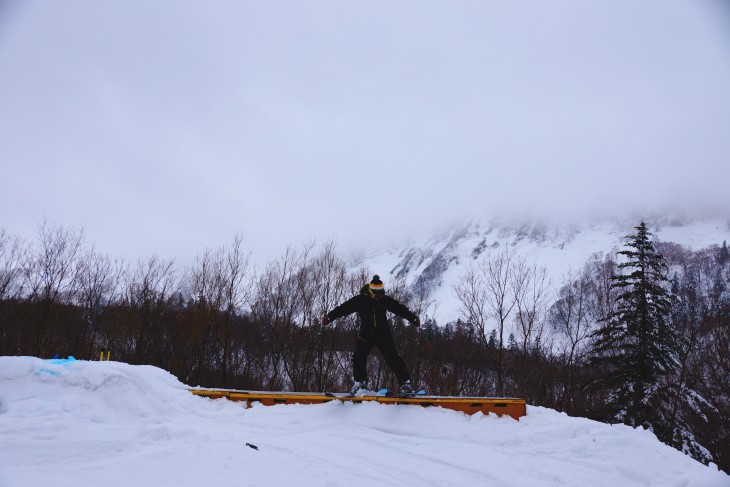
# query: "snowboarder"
[[371, 305]]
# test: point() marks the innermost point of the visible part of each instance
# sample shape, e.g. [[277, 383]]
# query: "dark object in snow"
[[422, 392], [252, 446]]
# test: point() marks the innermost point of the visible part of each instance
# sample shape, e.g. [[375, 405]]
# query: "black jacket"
[[372, 312]]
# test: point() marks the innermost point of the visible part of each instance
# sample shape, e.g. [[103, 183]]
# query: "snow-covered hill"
[[77, 423], [438, 261]]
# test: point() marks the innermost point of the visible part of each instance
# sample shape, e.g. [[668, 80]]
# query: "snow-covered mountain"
[[436, 262]]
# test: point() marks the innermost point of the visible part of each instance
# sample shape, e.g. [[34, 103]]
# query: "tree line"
[[641, 336]]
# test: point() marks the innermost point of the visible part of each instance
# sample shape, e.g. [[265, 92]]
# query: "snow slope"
[[438, 261], [77, 423]]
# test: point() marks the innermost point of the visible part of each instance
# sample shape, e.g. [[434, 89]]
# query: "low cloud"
[[171, 131]]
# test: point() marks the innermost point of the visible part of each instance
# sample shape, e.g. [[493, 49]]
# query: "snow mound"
[[89, 423]]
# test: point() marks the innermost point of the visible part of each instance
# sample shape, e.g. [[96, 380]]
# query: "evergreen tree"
[[688, 315], [635, 346], [492, 342], [512, 343], [723, 255]]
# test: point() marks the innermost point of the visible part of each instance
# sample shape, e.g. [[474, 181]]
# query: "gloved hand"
[[325, 319], [416, 322]]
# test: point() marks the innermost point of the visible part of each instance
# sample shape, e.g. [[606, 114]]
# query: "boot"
[[359, 386]]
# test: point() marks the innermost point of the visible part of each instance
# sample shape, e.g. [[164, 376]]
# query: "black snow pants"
[[384, 342]]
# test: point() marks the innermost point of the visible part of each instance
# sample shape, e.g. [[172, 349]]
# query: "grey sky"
[[169, 126]]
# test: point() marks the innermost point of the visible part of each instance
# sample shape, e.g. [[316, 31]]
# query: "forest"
[[641, 337]]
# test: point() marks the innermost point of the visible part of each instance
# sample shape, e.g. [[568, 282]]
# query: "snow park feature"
[[516, 408], [89, 423]]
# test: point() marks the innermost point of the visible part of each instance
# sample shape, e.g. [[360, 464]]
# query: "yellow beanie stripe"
[[376, 285]]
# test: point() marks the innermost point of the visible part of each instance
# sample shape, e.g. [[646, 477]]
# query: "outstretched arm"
[[349, 306], [397, 308]]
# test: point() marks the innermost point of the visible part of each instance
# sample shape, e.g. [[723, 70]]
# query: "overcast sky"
[[167, 127]]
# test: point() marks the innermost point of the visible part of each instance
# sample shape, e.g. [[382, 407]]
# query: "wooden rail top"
[[516, 408]]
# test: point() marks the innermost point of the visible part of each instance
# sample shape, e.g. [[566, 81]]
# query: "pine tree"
[[723, 255], [688, 315], [635, 346], [492, 342]]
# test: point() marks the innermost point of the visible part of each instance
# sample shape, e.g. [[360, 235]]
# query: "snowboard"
[[399, 395], [347, 396]]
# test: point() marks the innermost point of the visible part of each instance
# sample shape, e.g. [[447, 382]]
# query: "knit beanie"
[[376, 285]]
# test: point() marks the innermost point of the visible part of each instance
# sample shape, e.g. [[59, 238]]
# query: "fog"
[[168, 127]]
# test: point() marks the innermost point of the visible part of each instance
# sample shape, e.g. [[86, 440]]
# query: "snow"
[[561, 249], [80, 423]]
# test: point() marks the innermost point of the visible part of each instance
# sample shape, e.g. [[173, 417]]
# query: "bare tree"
[[150, 289], [53, 269], [236, 294], [571, 315], [99, 288], [471, 291], [277, 305], [13, 252], [489, 290], [329, 287], [603, 269], [499, 272], [52, 272], [531, 286], [219, 290]]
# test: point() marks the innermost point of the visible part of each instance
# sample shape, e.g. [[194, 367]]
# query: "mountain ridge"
[[431, 265]]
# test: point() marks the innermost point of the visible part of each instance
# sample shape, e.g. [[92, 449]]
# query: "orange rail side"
[[516, 408]]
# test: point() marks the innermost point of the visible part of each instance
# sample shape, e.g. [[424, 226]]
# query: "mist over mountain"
[[561, 245], [169, 128]]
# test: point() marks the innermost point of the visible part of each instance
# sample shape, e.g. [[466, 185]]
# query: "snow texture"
[[79, 423], [438, 261]]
